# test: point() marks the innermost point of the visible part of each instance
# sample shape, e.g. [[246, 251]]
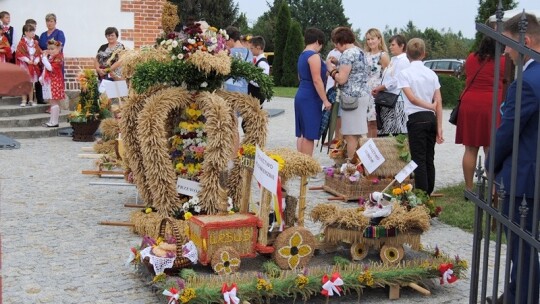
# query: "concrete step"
[[10, 100], [16, 110], [30, 120], [34, 132]]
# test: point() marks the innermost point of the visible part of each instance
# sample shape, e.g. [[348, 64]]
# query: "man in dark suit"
[[526, 164]]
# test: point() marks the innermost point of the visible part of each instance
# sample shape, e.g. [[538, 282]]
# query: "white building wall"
[[82, 21]]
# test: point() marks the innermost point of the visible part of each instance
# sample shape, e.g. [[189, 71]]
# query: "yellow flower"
[[187, 215], [224, 267], [159, 278], [188, 295], [263, 284], [148, 210], [301, 281], [407, 187], [295, 250], [279, 160], [231, 212], [397, 191], [179, 167], [213, 29]]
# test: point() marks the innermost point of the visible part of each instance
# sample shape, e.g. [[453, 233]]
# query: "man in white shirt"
[[423, 108]]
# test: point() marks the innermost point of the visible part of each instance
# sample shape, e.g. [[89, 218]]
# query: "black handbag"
[[386, 99], [455, 111]]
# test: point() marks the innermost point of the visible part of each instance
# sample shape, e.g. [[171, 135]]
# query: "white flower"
[[174, 44], [169, 41], [229, 204], [197, 209], [211, 48], [169, 48], [213, 40], [204, 84], [185, 206], [162, 42], [180, 56], [191, 41], [173, 57]]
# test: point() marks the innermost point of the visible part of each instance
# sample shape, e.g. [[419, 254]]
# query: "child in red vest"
[[28, 57], [52, 79]]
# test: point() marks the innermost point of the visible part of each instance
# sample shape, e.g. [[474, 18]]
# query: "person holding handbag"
[[474, 116], [351, 77], [392, 120]]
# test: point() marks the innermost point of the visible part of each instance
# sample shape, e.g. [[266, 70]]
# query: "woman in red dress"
[[52, 79], [474, 118]]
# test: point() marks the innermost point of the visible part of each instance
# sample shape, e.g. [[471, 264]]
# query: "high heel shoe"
[[48, 125]]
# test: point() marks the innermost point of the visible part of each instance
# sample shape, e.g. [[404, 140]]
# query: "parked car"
[[446, 66]]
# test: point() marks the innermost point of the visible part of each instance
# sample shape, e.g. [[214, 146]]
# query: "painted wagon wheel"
[[294, 248], [359, 251], [392, 254], [226, 260]]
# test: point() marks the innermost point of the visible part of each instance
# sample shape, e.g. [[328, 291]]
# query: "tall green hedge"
[[283, 24], [451, 88], [293, 48]]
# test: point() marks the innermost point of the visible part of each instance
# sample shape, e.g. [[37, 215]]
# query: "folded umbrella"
[[329, 118], [14, 81]]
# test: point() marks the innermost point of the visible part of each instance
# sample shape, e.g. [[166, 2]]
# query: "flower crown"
[[54, 42]]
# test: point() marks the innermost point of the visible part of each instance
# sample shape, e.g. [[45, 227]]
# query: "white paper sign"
[[406, 171], [115, 89], [187, 187], [370, 156], [266, 171]]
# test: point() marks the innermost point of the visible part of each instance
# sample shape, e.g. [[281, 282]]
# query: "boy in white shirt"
[[423, 107], [260, 61]]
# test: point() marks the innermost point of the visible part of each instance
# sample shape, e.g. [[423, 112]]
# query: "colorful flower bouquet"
[[91, 106], [410, 198]]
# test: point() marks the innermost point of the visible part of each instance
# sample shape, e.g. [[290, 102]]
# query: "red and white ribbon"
[[172, 294], [229, 294], [331, 286]]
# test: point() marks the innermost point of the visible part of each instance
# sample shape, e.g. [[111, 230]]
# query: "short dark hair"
[[111, 30], [28, 28], [30, 21], [533, 27], [343, 35], [3, 13], [233, 32], [258, 41], [313, 35], [400, 40]]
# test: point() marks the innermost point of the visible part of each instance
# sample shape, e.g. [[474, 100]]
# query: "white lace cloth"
[[159, 263], [189, 250]]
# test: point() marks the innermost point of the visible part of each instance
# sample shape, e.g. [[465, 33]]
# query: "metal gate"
[[500, 212]]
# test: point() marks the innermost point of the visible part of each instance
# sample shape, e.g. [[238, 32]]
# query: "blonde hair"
[[50, 16], [416, 48], [373, 32]]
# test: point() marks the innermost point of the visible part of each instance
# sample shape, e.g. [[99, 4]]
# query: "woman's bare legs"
[[469, 164], [372, 129], [304, 145], [352, 144]]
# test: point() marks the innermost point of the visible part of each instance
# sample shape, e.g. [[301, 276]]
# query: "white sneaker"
[[31, 103], [23, 104]]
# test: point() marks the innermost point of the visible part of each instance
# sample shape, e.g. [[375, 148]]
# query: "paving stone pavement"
[[54, 251]]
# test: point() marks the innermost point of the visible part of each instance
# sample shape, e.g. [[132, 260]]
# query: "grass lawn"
[[456, 211], [285, 91]]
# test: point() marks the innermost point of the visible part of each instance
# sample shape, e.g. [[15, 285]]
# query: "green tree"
[[485, 10], [293, 48], [242, 24], [265, 25], [218, 13], [322, 14], [283, 24]]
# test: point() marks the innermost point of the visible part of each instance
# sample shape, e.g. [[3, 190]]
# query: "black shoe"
[[500, 300], [48, 125]]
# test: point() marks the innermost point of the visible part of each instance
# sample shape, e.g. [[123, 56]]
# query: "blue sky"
[[457, 15]]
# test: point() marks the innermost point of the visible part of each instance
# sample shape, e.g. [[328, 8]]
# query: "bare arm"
[[417, 101], [438, 113], [342, 75], [315, 69], [385, 60]]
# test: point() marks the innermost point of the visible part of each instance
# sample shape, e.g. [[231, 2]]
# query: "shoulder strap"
[[474, 77], [262, 59]]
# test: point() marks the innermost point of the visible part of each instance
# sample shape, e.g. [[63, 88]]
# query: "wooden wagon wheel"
[[294, 248], [359, 251], [392, 254], [225, 260]]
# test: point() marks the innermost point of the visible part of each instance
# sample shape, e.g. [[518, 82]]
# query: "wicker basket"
[[180, 261], [341, 186]]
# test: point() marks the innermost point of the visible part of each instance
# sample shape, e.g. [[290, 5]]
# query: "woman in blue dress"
[[311, 95]]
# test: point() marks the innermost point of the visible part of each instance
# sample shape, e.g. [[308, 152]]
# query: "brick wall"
[[147, 15]]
